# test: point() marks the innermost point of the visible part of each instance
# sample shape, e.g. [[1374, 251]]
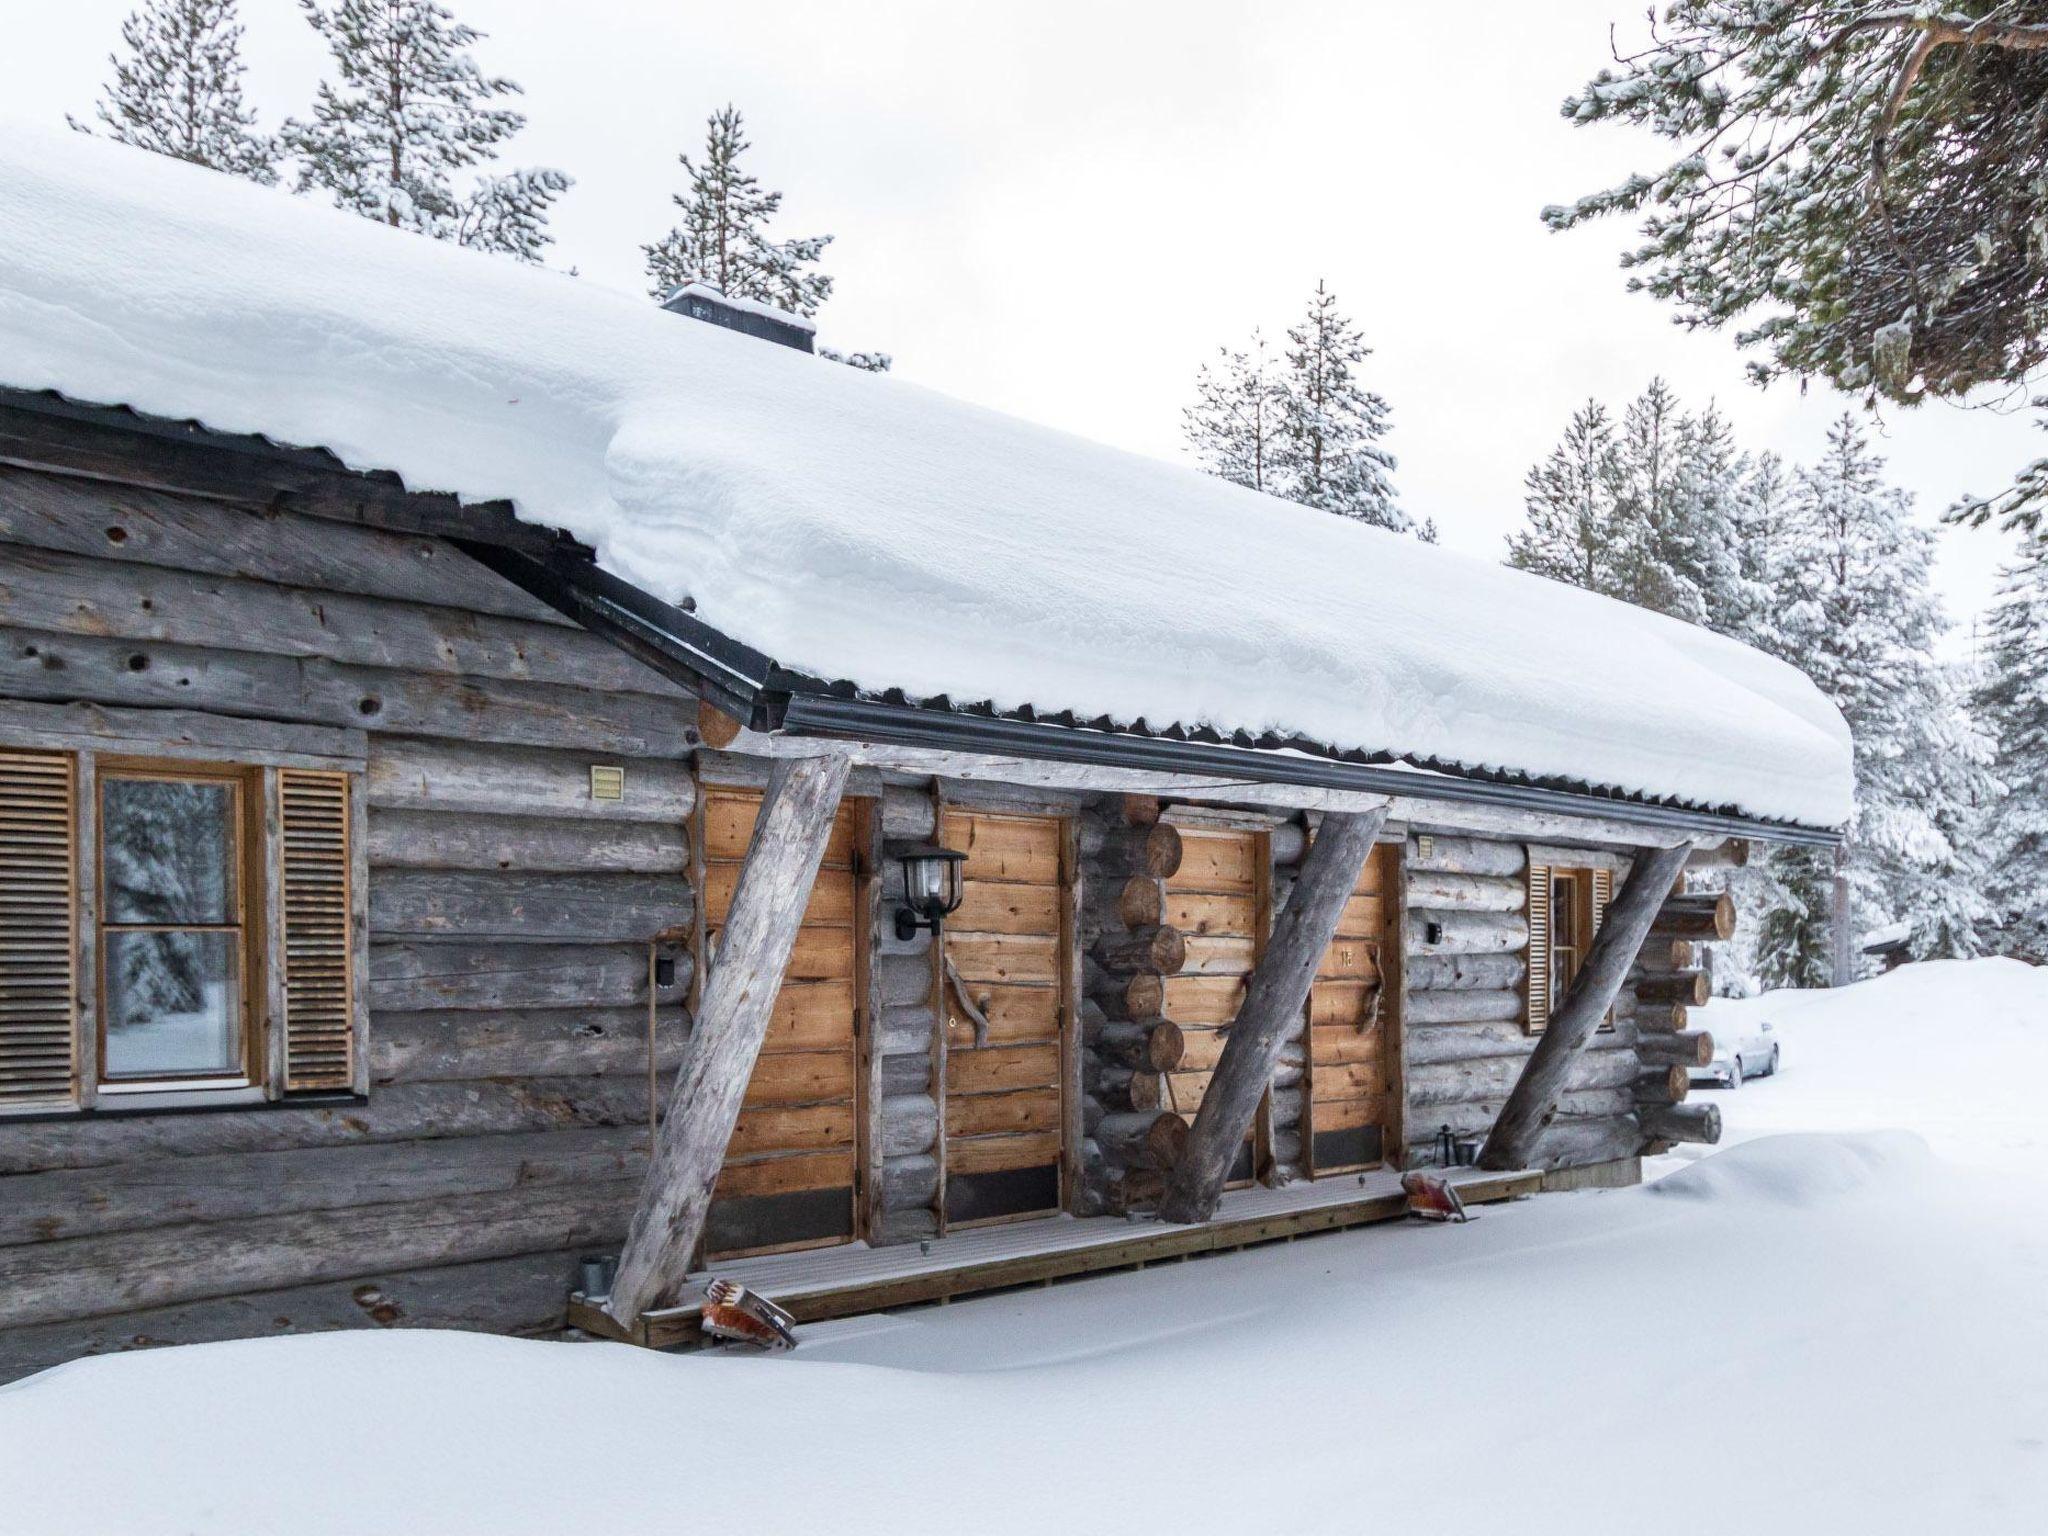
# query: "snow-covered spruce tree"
[[407, 113], [1791, 887], [1568, 502], [722, 237], [1332, 424], [1235, 429], [1855, 186], [178, 90], [2013, 698]]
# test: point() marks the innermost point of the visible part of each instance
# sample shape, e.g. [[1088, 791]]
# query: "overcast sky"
[[1061, 209]]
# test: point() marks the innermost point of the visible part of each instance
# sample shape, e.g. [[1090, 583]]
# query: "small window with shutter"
[[217, 957], [1565, 909]]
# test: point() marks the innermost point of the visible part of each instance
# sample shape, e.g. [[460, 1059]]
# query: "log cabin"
[[513, 799]]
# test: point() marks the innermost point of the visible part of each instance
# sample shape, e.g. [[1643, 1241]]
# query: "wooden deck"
[[841, 1282]]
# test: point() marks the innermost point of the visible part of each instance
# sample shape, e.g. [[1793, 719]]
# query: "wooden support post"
[[1274, 996], [739, 995], [1512, 1141]]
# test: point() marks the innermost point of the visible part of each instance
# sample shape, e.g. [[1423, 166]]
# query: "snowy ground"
[[1825, 1327]]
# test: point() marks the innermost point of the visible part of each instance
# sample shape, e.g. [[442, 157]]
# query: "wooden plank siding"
[[1352, 1066], [1223, 895], [1005, 1103]]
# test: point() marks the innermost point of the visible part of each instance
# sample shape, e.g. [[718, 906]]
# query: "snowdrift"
[[858, 527]]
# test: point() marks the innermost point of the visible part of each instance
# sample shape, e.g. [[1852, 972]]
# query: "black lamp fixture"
[[932, 887]]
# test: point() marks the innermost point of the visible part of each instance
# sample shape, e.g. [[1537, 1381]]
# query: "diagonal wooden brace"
[[1273, 999], [1512, 1141], [739, 997]]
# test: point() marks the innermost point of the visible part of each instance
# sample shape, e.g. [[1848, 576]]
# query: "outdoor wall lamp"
[[933, 885]]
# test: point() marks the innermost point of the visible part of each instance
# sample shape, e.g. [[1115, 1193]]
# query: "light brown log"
[[1126, 850], [1124, 996], [1687, 989], [1143, 1139], [1142, 810], [1512, 1141], [1667, 1086], [1123, 1088], [1272, 1008], [1707, 918], [1682, 1122], [1661, 1018], [1692, 1048], [795, 822], [1156, 951], [1662, 956], [1141, 902], [1153, 1045], [1473, 973]]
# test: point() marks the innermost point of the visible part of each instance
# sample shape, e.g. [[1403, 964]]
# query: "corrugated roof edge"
[[752, 687]]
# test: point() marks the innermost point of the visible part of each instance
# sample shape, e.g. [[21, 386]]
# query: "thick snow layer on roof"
[[856, 526]]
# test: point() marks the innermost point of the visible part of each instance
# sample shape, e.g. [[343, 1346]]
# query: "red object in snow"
[[1431, 1197], [731, 1311]]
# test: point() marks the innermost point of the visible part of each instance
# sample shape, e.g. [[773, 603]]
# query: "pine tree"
[[1235, 427], [1791, 890], [722, 238], [407, 112], [1568, 501], [179, 90], [2014, 699], [1332, 424]]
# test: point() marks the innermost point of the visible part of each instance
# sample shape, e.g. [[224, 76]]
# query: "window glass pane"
[[173, 1004], [1564, 911], [169, 850]]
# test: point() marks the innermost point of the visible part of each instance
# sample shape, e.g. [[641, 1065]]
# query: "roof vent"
[[750, 317]]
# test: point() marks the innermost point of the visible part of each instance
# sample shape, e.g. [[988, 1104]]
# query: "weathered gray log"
[[35, 664], [70, 594], [1707, 918], [1467, 856], [162, 1192], [414, 977], [1512, 1141], [1575, 1143], [1152, 1045], [1477, 1117], [1143, 1139], [1471, 973], [909, 814], [187, 533], [1429, 1043], [908, 1073], [1274, 995], [1692, 1048], [1661, 956], [905, 1029], [1158, 951], [1661, 1018], [524, 907], [760, 931], [1440, 890], [1464, 1007], [1682, 1122], [126, 1271], [1466, 933], [1668, 1085], [1687, 989], [524, 1295], [415, 774], [910, 1124], [1127, 850], [909, 1182], [1733, 854], [529, 1042], [906, 980], [1489, 1079], [527, 844], [908, 1226], [1288, 843]]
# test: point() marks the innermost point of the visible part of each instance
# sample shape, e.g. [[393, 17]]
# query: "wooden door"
[[789, 1178], [1351, 1057], [1008, 945], [1220, 900]]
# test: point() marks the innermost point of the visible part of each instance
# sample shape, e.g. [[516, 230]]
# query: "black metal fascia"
[[738, 679], [905, 726]]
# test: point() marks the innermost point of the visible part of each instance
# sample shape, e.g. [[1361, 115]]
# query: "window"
[[173, 950], [1565, 907], [175, 928]]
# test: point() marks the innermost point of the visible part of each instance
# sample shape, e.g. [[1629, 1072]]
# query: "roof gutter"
[[810, 714]]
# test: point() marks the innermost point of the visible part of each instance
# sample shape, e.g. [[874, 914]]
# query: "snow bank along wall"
[[532, 935]]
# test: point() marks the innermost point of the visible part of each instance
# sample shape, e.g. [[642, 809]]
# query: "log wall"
[[510, 918]]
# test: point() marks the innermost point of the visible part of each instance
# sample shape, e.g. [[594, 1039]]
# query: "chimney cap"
[[750, 317]]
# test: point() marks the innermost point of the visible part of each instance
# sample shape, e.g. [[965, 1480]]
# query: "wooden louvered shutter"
[[38, 928], [1539, 949], [314, 864], [1603, 893]]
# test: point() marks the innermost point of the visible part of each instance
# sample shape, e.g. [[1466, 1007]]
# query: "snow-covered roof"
[[859, 527]]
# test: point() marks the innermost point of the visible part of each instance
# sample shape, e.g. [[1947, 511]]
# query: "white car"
[[1739, 1053]]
